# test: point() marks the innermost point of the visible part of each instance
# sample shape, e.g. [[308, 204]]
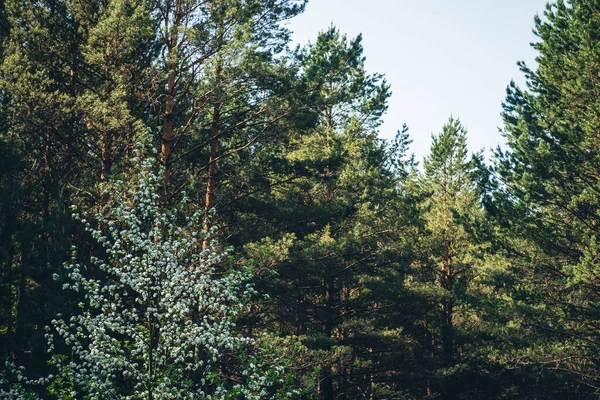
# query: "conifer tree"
[[39, 129], [450, 249], [106, 84], [116, 52], [549, 195], [204, 72], [340, 183]]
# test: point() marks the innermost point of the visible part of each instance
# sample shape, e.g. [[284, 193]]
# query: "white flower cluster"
[[156, 314], [13, 383]]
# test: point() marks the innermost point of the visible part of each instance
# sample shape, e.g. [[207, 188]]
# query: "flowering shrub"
[[14, 384], [156, 315]]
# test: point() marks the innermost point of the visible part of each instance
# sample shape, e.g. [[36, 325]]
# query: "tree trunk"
[[11, 303], [19, 307], [46, 179], [167, 135], [106, 160], [211, 182], [326, 374], [448, 347], [105, 168], [448, 328]]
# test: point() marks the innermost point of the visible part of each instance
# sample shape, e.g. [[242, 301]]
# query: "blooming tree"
[[156, 313]]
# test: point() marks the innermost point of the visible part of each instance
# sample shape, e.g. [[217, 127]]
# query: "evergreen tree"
[[116, 51], [451, 259], [548, 197], [339, 183], [457, 281], [205, 79], [39, 130], [103, 89]]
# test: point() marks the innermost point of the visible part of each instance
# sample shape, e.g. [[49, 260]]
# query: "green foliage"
[[334, 219], [376, 279], [447, 275], [548, 192]]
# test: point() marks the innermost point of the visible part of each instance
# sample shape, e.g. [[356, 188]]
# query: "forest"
[[193, 208]]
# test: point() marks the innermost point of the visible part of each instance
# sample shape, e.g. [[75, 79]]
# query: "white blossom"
[[156, 314]]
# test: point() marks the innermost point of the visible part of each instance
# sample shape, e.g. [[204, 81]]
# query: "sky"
[[440, 57]]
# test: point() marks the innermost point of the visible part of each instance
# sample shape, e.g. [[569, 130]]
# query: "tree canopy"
[[191, 208]]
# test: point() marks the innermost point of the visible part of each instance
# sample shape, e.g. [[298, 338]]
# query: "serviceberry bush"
[[157, 313], [14, 385]]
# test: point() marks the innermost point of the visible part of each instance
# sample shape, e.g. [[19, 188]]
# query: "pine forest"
[[193, 207]]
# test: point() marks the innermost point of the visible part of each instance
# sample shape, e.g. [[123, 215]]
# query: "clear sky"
[[440, 57]]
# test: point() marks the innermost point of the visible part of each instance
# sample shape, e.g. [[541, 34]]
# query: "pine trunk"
[[211, 181], [448, 329], [326, 376], [167, 135]]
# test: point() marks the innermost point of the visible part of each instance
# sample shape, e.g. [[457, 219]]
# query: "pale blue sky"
[[440, 57]]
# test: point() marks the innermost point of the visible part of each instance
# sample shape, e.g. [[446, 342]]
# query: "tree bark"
[[326, 391], [448, 327], [209, 201], [167, 135], [211, 181], [106, 156]]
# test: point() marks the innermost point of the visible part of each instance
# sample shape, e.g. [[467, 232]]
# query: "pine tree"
[[105, 87], [451, 255], [206, 49], [548, 195], [116, 51], [39, 129], [336, 184]]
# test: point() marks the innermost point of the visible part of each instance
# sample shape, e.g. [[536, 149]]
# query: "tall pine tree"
[[549, 196]]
